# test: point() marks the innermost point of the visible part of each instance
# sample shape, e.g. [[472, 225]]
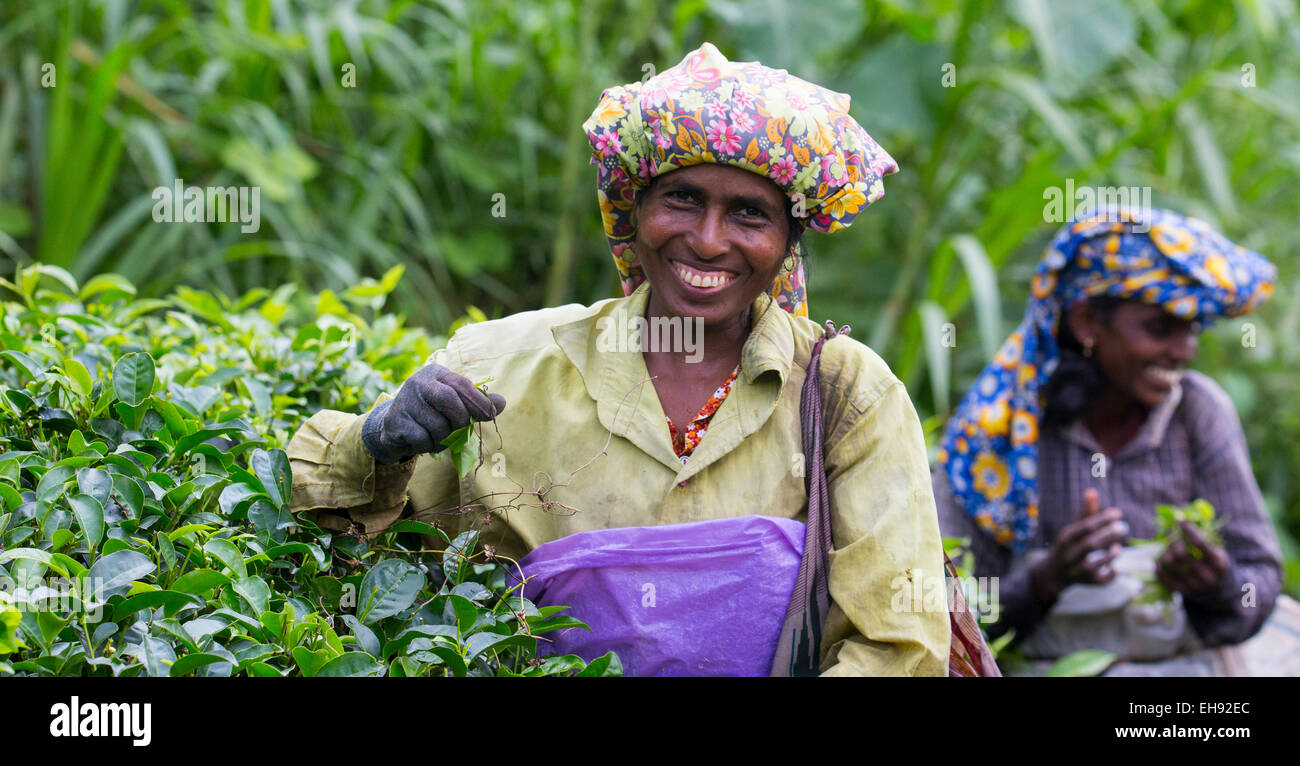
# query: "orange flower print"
[[1024, 428], [993, 418], [1043, 284], [990, 475], [1009, 354], [1025, 373]]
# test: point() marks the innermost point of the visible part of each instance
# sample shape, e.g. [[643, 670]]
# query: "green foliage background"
[[458, 101]]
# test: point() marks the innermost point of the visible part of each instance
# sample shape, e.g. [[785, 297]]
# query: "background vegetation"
[[144, 497], [458, 101]]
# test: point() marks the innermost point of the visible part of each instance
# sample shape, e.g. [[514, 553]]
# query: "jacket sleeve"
[[885, 541], [336, 480], [1235, 611]]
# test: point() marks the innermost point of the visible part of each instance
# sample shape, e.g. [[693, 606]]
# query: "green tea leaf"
[[351, 664], [272, 468], [51, 485], [133, 377], [193, 661], [1085, 662], [77, 373], [117, 570], [106, 282], [255, 591], [482, 642], [32, 554], [366, 637], [152, 600], [156, 655], [200, 581], [607, 665], [228, 555], [388, 587], [90, 516]]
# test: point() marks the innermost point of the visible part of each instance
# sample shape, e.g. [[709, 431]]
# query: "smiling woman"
[[711, 239], [1111, 325], [672, 517]]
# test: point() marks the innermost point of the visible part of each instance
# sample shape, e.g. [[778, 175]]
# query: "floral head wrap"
[[990, 447], [709, 109]]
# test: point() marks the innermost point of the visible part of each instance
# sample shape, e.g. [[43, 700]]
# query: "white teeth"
[[1168, 376], [702, 280]]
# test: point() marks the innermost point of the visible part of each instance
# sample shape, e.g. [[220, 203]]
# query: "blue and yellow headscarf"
[[990, 447]]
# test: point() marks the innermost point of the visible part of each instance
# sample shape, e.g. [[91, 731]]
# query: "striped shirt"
[[1190, 446]]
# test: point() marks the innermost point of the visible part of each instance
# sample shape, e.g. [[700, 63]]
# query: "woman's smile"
[[711, 239], [1162, 378], [702, 281]]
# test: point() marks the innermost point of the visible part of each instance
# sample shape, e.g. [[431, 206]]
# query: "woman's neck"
[[719, 345], [1114, 418]]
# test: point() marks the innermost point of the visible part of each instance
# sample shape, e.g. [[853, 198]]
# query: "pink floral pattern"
[[709, 109]]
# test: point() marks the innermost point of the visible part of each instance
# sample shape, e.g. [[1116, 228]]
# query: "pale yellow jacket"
[[565, 395]]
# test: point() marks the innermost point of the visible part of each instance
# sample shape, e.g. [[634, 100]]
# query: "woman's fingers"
[[1215, 558], [1091, 502], [439, 396], [1085, 526], [414, 436], [1098, 564], [476, 403], [1168, 576], [1096, 532], [1085, 548], [1087, 522], [1179, 570]]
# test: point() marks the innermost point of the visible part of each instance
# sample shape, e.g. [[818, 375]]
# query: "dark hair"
[[1077, 379]]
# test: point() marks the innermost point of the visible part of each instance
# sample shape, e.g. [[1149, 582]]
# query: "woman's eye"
[[753, 212], [1163, 328], [680, 196]]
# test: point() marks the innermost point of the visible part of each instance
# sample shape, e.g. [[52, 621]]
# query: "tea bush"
[[144, 523]]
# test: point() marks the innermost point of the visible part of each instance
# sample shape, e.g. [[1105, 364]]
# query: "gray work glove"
[[430, 405]]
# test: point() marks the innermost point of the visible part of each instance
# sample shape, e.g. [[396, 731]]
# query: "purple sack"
[[705, 598]]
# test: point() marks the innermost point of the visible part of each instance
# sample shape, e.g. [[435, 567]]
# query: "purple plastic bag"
[[705, 598]]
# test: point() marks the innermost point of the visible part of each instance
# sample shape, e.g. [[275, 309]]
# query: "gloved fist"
[[430, 405]]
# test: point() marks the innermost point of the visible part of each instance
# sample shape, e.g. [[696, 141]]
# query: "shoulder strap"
[[798, 650], [968, 653]]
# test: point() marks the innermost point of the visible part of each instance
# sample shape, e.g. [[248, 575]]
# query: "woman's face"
[[1141, 349], [710, 238]]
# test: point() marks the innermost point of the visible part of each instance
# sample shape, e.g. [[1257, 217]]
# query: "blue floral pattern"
[[990, 446]]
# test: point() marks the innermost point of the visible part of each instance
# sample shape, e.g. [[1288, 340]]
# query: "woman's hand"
[[1082, 552], [1181, 569], [430, 405]]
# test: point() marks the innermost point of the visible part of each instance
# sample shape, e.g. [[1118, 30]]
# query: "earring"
[[1087, 347], [788, 265]]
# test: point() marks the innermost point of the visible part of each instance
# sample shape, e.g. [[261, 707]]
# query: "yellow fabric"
[[564, 399]]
